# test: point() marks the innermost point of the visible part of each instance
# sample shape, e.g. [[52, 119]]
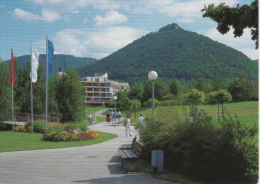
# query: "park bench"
[[130, 156]]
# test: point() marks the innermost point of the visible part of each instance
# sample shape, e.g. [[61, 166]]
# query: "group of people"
[[127, 125], [94, 119], [113, 116], [127, 122]]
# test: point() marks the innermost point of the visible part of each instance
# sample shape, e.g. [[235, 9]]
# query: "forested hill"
[[173, 53], [59, 61]]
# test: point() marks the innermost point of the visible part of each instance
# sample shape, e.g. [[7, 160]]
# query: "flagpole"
[[11, 65], [46, 110], [31, 92]]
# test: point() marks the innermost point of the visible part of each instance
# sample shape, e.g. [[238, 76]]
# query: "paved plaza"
[[93, 164]]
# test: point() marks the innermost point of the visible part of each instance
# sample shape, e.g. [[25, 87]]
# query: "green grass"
[[20, 141], [92, 110]]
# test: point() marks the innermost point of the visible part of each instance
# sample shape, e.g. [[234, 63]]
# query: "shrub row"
[[219, 153]]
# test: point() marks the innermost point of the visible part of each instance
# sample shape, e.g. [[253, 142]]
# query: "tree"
[[175, 87], [22, 90], [194, 97], [218, 84], [160, 90], [239, 18], [202, 85], [69, 95], [222, 96], [136, 91], [5, 93], [241, 89]]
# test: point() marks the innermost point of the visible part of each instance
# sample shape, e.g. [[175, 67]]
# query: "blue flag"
[[50, 56]]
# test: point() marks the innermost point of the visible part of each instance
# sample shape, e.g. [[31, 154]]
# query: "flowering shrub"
[[19, 128], [57, 137], [82, 137], [93, 134]]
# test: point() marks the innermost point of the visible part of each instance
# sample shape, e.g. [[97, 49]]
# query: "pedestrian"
[[94, 119], [89, 119], [140, 125], [108, 118], [119, 115], [127, 125]]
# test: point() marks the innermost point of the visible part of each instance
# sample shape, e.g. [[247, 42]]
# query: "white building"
[[99, 89]]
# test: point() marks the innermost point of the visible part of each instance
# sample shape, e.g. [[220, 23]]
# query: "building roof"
[[122, 84]]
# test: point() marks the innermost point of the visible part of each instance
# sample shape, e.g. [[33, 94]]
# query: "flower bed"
[[58, 132]]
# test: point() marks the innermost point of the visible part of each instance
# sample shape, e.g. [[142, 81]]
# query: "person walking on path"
[[108, 118], [128, 125], [89, 119], [94, 120], [140, 125]]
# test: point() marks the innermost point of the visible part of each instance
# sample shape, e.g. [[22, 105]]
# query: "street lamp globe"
[[152, 75], [115, 97]]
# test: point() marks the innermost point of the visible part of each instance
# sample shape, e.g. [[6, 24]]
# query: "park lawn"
[[20, 141], [92, 110]]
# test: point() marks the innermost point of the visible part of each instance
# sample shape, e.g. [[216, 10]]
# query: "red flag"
[[12, 65]]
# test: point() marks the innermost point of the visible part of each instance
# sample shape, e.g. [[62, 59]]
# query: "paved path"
[[93, 164]]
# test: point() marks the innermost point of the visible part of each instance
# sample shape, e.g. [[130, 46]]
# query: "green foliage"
[[202, 85], [160, 89], [194, 97], [68, 93], [5, 93], [241, 89], [173, 53], [168, 97], [222, 96], [223, 153], [136, 91], [111, 103], [175, 87], [22, 89], [39, 126], [136, 105], [149, 103], [219, 84], [239, 18]]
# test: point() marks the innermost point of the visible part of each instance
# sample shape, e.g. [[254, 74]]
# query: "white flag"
[[35, 64]]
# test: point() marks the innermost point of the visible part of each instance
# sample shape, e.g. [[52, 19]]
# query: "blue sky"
[[97, 28]]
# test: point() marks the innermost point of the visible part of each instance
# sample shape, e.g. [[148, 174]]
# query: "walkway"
[[93, 164]]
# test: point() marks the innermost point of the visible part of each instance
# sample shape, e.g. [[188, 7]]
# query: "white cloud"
[[243, 43], [2, 6], [49, 16], [96, 43], [110, 18], [185, 20]]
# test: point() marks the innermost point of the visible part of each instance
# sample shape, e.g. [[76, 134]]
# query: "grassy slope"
[[20, 141]]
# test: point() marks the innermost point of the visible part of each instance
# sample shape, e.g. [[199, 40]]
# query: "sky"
[[97, 28]]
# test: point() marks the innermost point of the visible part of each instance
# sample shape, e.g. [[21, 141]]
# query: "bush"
[[57, 137], [169, 103], [212, 153], [149, 103], [38, 125]]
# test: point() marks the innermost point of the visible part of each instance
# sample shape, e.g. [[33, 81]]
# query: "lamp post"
[[115, 98], [152, 75]]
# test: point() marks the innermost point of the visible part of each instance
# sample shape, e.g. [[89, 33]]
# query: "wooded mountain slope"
[[59, 61], [173, 53]]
